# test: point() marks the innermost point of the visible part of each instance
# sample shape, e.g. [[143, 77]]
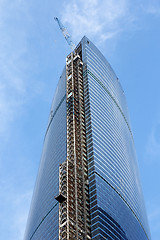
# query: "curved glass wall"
[[116, 199], [43, 221]]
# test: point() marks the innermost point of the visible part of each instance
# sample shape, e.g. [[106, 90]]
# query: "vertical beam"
[[62, 200], [74, 214]]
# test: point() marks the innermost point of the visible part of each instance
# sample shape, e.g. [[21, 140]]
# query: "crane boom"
[[66, 34]]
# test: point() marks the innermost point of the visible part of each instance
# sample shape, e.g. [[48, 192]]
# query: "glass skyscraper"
[[88, 183]]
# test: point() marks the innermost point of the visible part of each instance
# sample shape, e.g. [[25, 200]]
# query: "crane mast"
[[73, 197], [65, 34]]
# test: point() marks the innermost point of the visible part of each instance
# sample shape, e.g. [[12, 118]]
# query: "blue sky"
[[32, 56]]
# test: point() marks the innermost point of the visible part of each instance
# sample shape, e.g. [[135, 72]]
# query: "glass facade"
[[117, 208], [43, 221], [116, 199]]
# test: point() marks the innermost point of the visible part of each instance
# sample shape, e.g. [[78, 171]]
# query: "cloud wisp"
[[103, 20], [14, 209], [154, 218], [13, 48], [153, 143], [153, 8], [21, 204]]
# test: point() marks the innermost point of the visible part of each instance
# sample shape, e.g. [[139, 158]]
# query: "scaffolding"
[[74, 209]]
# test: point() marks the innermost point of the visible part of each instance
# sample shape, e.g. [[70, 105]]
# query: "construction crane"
[[66, 34]]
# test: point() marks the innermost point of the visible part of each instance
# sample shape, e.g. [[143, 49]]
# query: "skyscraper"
[[88, 183]]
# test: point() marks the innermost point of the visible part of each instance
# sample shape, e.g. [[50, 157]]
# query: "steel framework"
[[74, 209]]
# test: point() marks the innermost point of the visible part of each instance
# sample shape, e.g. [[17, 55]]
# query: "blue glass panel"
[[43, 220]]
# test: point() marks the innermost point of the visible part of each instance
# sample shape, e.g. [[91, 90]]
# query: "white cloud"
[[101, 19], [153, 143], [14, 210], [152, 7], [155, 213], [21, 205], [12, 64], [154, 218], [153, 10], [105, 19], [17, 62]]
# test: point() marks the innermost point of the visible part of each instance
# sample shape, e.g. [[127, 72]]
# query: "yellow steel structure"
[[74, 213]]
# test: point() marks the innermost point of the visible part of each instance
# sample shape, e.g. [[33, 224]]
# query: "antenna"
[[66, 34]]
